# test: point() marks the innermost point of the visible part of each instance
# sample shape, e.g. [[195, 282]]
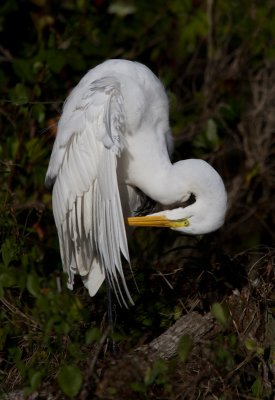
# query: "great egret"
[[113, 144]]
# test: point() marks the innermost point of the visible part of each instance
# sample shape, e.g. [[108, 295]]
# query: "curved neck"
[[156, 183], [148, 167], [157, 177], [169, 183]]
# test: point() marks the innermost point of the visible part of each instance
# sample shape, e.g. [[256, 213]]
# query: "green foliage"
[[208, 140], [70, 380], [257, 389], [92, 335], [251, 345], [220, 313], [184, 347], [157, 374]]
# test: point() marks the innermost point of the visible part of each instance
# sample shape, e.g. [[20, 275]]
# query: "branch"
[[165, 346], [133, 366]]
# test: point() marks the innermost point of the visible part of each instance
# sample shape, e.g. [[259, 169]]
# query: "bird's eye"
[[179, 223]]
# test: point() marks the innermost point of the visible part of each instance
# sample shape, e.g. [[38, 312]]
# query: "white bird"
[[114, 143]]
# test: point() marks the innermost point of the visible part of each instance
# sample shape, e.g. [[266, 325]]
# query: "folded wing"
[[86, 200]]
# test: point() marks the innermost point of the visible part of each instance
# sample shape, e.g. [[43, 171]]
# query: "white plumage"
[[113, 142]]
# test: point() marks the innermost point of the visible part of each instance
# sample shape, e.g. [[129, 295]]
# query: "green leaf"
[[70, 380], [8, 279], [220, 313], [55, 59], [19, 94], [156, 373], [38, 111], [36, 379], [184, 347], [76, 307], [62, 327], [252, 173], [138, 387], [33, 285], [23, 69], [15, 354], [35, 149], [209, 138], [212, 134], [121, 9], [257, 388], [251, 345], [8, 251], [92, 335]]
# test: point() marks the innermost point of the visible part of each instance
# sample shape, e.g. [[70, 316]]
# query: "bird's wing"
[[86, 200]]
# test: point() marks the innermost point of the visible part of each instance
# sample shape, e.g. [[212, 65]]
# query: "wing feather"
[[86, 200]]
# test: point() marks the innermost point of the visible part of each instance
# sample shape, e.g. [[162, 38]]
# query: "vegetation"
[[216, 59]]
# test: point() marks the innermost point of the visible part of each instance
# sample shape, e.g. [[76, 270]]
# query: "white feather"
[[113, 138]]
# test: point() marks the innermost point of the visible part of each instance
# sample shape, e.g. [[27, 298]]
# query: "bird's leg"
[[110, 317], [110, 306]]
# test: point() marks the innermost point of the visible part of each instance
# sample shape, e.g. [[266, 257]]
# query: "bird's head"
[[190, 179]]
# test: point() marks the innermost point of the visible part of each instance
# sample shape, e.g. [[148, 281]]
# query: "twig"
[[98, 350], [16, 310]]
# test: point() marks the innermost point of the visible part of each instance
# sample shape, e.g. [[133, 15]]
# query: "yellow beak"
[[157, 221]]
